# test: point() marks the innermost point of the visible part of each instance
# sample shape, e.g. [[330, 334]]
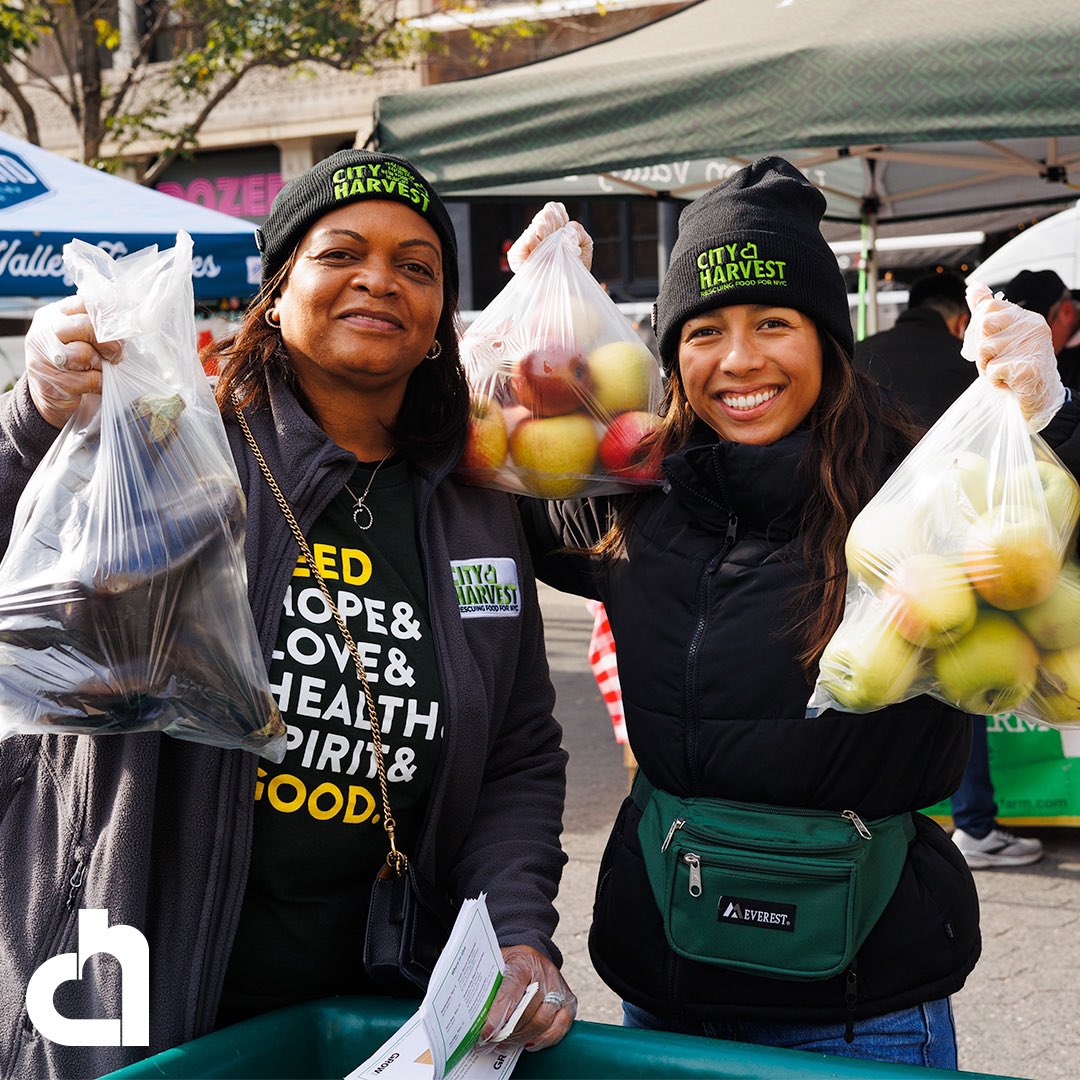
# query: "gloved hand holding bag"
[[962, 574], [564, 393], [123, 593]]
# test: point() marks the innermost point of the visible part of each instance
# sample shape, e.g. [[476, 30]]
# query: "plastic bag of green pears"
[[123, 591], [963, 581], [563, 390]]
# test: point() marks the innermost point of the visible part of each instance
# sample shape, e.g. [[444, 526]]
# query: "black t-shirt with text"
[[318, 839]]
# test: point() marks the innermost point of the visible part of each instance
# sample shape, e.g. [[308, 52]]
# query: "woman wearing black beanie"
[[723, 587], [420, 720]]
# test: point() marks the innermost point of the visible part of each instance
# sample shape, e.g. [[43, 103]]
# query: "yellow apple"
[[556, 455], [867, 664], [991, 669], [930, 600], [1058, 701], [1013, 558], [1062, 495], [622, 375], [880, 538], [1055, 623], [485, 439]]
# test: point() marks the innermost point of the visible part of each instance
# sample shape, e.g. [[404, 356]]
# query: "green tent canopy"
[[901, 113], [667, 106]]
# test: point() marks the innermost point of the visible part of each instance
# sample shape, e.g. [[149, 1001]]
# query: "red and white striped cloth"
[[604, 668]]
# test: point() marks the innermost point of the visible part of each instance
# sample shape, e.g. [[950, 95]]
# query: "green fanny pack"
[[783, 892]]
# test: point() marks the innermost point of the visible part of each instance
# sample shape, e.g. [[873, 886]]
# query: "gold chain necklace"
[[396, 859], [361, 508]]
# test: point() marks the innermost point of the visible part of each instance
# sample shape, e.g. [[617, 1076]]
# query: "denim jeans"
[[923, 1035], [973, 806]]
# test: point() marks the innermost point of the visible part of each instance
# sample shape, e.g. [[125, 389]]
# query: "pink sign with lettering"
[[240, 196]]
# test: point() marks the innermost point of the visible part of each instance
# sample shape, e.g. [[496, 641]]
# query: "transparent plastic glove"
[[63, 359], [551, 1011], [550, 219], [1013, 348]]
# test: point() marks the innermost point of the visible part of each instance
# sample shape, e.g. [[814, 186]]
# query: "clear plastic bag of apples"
[[564, 392], [963, 581]]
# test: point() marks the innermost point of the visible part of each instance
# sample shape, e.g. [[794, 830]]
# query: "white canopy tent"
[[1052, 244]]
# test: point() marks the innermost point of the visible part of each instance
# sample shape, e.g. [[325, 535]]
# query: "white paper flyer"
[[439, 1041]]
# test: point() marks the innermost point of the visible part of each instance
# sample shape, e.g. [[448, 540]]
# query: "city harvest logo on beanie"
[[380, 178], [733, 265], [347, 177], [754, 239]]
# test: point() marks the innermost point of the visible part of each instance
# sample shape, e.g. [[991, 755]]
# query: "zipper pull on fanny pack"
[[676, 825], [857, 821], [694, 862]]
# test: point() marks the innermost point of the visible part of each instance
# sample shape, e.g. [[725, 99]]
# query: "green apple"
[[1013, 558], [1055, 623], [556, 455], [486, 439], [930, 600], [991, 669], [867, 664], [1062, 495], [880, 538], [970, 485], [622, 375], [1058, 701]]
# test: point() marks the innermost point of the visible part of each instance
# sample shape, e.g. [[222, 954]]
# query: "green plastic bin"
[[324, 1040]]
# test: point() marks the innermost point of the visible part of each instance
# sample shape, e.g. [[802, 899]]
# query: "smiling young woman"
[[751, 372], [722, 587]]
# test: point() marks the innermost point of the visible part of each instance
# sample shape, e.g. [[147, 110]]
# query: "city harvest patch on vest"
[[486, 587], [380, 178], [763, 913], [729, 265]]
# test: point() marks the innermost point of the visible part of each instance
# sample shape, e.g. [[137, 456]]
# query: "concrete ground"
[[1019, 1014]]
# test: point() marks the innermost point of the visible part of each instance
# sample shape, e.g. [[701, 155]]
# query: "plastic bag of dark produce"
[[123, 591]]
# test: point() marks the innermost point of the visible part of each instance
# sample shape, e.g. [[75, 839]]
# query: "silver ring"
[[553, 997], [59, 360]]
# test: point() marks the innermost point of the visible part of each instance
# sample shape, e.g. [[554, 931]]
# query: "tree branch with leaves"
[[183, 59]]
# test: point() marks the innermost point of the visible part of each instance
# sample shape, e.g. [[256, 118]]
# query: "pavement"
[[1018, 1015]]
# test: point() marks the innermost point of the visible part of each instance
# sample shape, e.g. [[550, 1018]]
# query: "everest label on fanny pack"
[[720, 869], [740, 909]]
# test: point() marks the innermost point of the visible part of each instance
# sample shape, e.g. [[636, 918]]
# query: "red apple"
[[550, 380], [621, 452]]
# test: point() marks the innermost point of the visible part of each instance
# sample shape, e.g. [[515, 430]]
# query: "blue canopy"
[[47, 200]]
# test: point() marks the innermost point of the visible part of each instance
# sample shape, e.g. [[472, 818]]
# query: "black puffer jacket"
[[715, 705]]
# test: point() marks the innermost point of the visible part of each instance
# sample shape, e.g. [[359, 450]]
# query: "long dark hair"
[[434, 412], [856, 438]]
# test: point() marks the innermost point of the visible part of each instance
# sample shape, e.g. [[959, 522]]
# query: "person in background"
[[919, 361], [723, 587], [253, 895], [919, 358], [1042, 291]]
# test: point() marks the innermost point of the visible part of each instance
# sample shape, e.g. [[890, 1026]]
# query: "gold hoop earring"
[[434, 352], [268, 318]]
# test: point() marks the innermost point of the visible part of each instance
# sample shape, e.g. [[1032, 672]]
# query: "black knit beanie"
[[754, 239], [347, 177], [1036, 290]]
